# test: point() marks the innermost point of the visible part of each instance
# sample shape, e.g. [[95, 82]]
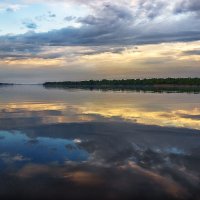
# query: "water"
[[81, 144]]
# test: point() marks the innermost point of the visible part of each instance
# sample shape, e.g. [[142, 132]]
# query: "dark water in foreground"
[[79, 144]]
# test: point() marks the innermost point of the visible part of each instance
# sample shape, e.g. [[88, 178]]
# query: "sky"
[[57, 40]]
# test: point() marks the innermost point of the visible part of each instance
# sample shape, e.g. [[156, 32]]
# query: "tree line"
[[130, 82]]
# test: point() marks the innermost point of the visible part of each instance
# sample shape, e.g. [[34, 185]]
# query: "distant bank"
[[170, 84], [131, 82], [4, 84]]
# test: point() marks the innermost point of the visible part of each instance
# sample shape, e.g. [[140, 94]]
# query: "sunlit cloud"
[[26, 63], [99, 39]]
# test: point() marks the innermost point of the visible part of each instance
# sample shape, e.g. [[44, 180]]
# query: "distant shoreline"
[[188, 85], [6, 84], [157, 82], [155, 85]]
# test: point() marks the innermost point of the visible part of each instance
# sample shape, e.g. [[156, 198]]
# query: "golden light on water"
[[61, 112]]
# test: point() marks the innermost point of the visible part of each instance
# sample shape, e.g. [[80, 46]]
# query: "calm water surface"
[[80, 144]]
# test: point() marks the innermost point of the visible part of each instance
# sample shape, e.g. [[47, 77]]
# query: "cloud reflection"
[[28, 113], [65, 144]]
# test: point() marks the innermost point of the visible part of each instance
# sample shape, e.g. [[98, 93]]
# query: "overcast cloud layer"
[[98, 26]]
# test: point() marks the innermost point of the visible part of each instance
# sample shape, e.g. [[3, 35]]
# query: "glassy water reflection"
[[77, 144]]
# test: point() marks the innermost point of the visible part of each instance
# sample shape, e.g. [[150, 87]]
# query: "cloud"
[[46, 17], [106, 28], [152, 8], [30, 25], [9, 10], [117, 24], [192, 52], [187, 6], [51, 15], [8, 158], [69, 18], [11, 7]]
